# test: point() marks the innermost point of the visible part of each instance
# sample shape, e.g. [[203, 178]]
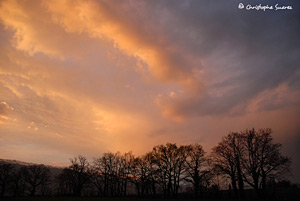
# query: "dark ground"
[[123, 199], [279, 194], [87, 199]]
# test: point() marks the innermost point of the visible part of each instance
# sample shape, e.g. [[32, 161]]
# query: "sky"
[[88, 77]]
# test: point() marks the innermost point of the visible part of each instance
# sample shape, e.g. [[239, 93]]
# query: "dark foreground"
[[280, 194], [132, 199], [99, 199], [88, 199]]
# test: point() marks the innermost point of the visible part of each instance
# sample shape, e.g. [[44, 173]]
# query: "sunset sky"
[[87, 77]]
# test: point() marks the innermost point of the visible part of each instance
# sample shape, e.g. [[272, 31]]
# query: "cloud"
[[5, 110], [106, 20], [87, 99], [34, 32], [196, 57], [4, 107], [243, 55]]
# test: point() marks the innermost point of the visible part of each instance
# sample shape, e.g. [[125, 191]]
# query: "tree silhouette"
[[80, 174], [18, 183], [115, 172], [170, 161], [262, 159], [226, 157], [35, 176], [149, 172], [103, 167], [249, 157], [196, 167], [6, 177], [98, 180], [252, 157], [65, 182]]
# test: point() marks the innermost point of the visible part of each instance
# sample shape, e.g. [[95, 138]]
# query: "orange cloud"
[[101, 20], [34, 31]]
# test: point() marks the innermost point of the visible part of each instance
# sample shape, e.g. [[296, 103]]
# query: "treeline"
[[248, 159]]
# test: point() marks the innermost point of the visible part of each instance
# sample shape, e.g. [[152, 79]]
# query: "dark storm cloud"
[[256, 50]]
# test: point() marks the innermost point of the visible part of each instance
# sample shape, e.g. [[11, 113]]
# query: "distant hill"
[[14, 162], [55, 171]]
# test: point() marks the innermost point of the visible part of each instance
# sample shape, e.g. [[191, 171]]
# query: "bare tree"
[[6, 176], [252, 157], [149, 174], [170, 161], [18, 183], [125, 165], [80, 174], [196, 167], [142, 175], [137, 173], [65, 182], [226, 157], [115, 171], [102, 167], [35, 176], [98, 180], [262, 159]]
